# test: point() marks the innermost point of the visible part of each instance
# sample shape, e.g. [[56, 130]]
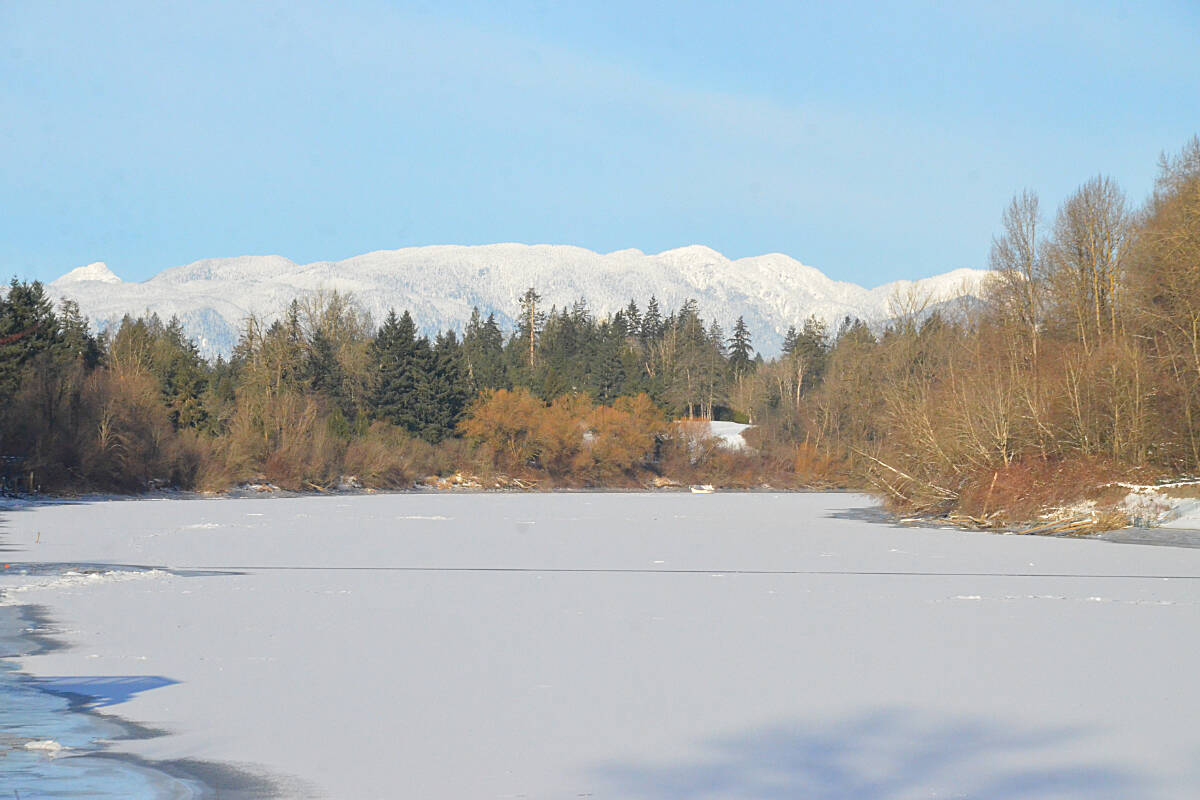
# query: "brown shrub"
[[620, 440], [559, 435], [387, 458], [127, 438], [197, 462], [815, 467], [1026, 488], [284, 439], [507, 424]]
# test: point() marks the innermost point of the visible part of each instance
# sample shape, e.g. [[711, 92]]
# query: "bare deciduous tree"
[[1086, 255]]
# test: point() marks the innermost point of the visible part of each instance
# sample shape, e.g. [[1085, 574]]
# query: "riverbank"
[[1101, 510]]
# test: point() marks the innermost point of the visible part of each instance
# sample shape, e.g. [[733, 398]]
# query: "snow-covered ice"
[[626, 645]]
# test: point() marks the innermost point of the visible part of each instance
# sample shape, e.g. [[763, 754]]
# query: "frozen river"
[[590, 645]]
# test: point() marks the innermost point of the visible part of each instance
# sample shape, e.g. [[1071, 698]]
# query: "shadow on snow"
[[887, 755], [98, 691]]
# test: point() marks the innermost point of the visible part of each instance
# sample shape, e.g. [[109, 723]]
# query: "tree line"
[[1079, 364], [322, 393], [1079, 367]]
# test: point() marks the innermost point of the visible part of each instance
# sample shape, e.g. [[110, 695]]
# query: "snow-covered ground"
[[1161, 506], [620, 645], [730, 434]]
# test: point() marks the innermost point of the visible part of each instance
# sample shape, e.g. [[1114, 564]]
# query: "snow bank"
[[70, 580], [727, 434], [730, 434], [1155, 507]]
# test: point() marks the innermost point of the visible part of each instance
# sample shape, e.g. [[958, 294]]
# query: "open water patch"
[[1158, 536], [54, 740]]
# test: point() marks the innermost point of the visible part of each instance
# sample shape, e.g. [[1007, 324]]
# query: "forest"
[[1079, 367]]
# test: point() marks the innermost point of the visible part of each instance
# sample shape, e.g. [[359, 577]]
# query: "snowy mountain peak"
[[96, 271], [441, 284], [693, 254]]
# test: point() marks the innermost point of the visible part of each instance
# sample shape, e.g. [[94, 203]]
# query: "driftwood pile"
[[1074, 525]]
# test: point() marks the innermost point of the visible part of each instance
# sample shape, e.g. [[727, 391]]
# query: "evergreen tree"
[[322, 370], [492, 365], [471, 339], [483, 354], [619, 323], [717, 336], [556, 346], [633, 320], [810, 352], [740, 349], [399, 375], [609, 375], [182, 374], [855, 330], [291, 324], [28, 326], [652, 322], [691, 364], [77, 341], [790, 340], [448, 389]]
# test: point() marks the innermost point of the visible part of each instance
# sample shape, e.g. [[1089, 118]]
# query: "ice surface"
[[631, 645]]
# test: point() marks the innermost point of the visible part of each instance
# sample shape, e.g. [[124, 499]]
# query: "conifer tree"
[[77, 341], [483, 354], [812, 348], [610, 375], [182, 374], [855, 330], [28, 326], [740, 349], [399, 375], [790, 340], [716, 335], [322, 370], [493, 351], [448, 391], [471, 337], [632, 318], [652, 322]]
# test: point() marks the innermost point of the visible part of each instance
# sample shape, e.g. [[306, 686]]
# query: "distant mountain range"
[[441, 284]]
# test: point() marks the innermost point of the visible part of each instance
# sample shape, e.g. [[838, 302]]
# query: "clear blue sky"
[[872, 140]]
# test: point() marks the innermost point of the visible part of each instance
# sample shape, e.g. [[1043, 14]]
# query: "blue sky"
[[874, 141]]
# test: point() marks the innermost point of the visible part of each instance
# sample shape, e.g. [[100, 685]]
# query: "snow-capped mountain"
[[441, 284]]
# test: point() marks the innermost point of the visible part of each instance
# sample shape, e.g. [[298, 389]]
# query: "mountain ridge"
[[440, 284]]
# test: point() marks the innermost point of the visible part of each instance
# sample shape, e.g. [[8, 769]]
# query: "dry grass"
[[1189, 492]]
